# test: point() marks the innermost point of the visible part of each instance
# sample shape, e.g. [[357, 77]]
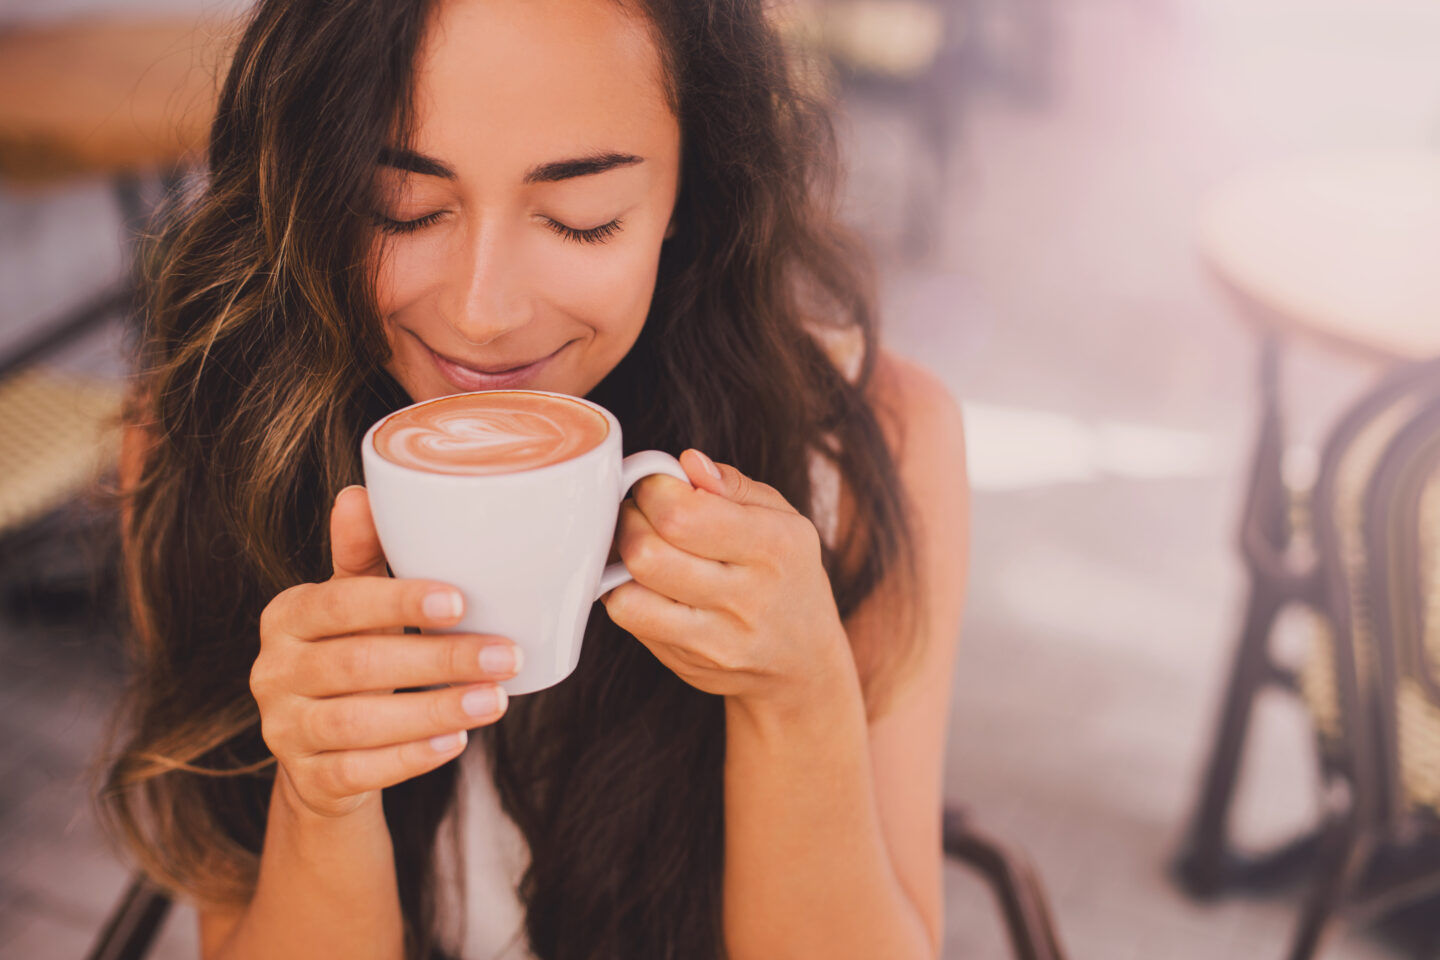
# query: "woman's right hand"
[[331, 656]]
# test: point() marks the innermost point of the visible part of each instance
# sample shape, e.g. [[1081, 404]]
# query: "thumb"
[[729, 483], [354, 544]]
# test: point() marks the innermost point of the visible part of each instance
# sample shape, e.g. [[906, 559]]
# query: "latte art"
[[500, 431]]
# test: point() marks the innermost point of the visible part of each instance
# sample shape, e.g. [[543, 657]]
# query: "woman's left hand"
[[729, 589]]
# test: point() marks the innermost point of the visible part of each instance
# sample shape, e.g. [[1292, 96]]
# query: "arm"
[[833, 845], [327, 884], [807, 871], [326, 889], [832, 823]]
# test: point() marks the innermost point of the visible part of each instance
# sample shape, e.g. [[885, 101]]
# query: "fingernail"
[[343, 489], [483, 702], [448, 741], [443, 604], [709, 464], [500, 658]]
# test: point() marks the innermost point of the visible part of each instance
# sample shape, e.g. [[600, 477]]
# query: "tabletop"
[[106, 94], [1343, 249]]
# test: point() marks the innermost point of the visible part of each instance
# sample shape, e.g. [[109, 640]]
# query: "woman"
[[632, 202]]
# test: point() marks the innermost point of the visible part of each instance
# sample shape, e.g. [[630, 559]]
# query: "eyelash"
[[594, 235], [406, 226]]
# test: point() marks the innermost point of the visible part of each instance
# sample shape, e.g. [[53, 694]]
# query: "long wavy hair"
[[262, 363]]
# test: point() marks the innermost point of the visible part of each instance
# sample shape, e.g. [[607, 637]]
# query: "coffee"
[[493, 431]]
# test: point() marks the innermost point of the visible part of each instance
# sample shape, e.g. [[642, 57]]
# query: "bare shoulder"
[[925, 433], [923, 423]]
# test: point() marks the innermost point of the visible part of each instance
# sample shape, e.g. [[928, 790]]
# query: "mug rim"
[[370, 453]]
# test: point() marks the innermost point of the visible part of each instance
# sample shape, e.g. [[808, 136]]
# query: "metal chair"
[[1014, 881], [1384, 846], [1301, 549], [133, 922], [1363, 854]]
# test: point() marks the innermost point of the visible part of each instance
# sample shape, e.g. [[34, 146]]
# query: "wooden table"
[[107, 96]]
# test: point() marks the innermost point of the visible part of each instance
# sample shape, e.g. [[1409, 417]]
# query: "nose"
[[491, 298]]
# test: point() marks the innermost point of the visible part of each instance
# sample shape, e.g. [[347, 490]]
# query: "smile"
[[467, 378]]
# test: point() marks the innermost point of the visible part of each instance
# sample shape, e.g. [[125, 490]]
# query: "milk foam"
[[490, 432]]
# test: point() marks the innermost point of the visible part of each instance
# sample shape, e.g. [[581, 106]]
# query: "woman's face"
[[525, 228]]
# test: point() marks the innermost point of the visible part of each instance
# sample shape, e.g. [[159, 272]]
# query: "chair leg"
[[1203, 860], [132, 925], [1015, 884], [1337, 877]]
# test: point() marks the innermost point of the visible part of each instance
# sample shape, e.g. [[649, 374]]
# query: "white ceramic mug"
[[526, 548]]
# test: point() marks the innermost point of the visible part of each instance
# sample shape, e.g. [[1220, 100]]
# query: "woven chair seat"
[[59, 433], [1317, 673], [1418, 717]]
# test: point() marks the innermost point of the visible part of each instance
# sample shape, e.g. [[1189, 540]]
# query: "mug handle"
[[633, 469]]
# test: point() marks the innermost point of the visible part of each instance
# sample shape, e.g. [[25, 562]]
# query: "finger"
[[731, 483], [312, 611], [346, 773], [707, 524], [669, 570], [354, 545], [377, 720], [637, 609], [358, 664]]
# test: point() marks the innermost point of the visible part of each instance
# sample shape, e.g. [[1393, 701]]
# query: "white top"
[[495, 859], [495, 851]]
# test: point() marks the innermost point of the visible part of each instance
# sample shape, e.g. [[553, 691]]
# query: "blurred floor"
[[1109, 405]]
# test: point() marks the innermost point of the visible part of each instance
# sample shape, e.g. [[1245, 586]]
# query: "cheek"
[[402, 276], [608, 289]]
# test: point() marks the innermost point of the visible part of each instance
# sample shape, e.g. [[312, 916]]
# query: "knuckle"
[[618, 606], [261, 677], [745, 488], [410, 603], [270, 734], [353, 661], [325, 724], [445, 713], [806, 535], [273, 616], [346, 771], [459, 657], [328, 604], [671, 522], [626, 540], [642, 556]]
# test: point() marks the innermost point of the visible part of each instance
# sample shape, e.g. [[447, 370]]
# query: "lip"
[[468, 379]]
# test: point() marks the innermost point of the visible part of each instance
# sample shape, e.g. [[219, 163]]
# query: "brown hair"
[[261, 365]]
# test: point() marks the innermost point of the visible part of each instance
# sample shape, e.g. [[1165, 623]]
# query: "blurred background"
[[1179, 261]]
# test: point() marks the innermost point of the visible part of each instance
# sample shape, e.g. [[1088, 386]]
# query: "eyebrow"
[[551, 172]]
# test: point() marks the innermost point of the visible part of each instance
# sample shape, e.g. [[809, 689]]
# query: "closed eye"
[[407, 226], [593, 235]]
